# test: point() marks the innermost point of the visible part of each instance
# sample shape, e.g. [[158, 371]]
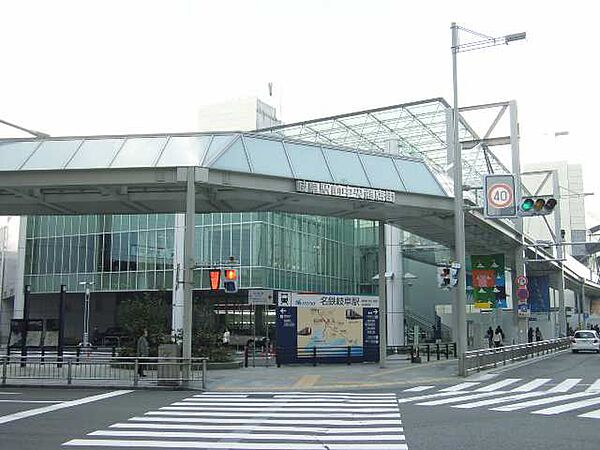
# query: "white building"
[[241, 114]]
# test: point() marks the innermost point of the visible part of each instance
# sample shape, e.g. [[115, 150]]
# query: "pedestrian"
[[530, 335], [226, 337], [142, 351], [538, 334], [490, 337], [498, 337]]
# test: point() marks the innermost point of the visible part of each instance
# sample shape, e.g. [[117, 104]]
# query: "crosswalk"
[[265, 420], [540, 396]]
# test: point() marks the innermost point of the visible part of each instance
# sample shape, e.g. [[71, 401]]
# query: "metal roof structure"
[[419, 128]]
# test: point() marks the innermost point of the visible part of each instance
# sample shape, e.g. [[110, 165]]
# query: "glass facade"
[[136, 252]]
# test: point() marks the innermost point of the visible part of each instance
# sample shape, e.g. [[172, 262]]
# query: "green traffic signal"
[[536, 206], [527, 204]]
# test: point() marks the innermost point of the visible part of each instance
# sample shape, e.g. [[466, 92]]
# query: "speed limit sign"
[[499, 196], [521, 281]]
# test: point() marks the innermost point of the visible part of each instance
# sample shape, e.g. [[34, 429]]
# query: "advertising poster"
[[488, 280], [539, 293], [328, 325]]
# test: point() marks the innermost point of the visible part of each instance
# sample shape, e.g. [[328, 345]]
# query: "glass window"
[[346, 167], [217, 144], [14, 154], [139, 152], [382, 172], [268, 157], [95, 153], [233, 159], [308, 162], [52, 155], [184, 151], [417, 177]]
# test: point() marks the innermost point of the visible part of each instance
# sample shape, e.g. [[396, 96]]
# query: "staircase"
[[425, 328]]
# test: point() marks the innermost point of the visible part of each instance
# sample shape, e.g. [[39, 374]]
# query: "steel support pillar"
[[382, 298], [562, 315], [188, 269], [394, 286], [178, 259]]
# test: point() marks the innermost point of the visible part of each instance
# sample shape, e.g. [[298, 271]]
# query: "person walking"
[[490, 337], [498, 337], [530, 335], [538, 334], [226, 337], [142, 351]]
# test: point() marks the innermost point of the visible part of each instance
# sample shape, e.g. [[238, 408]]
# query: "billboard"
[[539, 293], [328, 327], [488, 280]]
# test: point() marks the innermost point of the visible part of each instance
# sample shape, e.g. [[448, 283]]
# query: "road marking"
[[591, 415], [297, 402], [446, 401], [348, 408], [460, 387], [269, 414], [532, 385], [245, 436], [227, 445], [565, 386], [595, 387], [498, 385], [328, 394], [31, 401], [350, 429], [568, 407], [306, 381], [418, 389], [63, 405], [429, 396], [243, 421], [543, 401], [10, 393], [495, 401]]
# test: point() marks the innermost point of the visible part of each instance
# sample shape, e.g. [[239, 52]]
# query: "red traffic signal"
[[215, 279], [230, 274]]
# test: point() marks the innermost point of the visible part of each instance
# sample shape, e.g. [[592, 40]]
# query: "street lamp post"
[[86, 313], [460, 292]]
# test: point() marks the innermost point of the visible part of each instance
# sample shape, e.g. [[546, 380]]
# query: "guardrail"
[[476, 360], [326, 354], [427, 352], [105, 370]]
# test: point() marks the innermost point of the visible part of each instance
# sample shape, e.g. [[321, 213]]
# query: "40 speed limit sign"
[[499, 196]]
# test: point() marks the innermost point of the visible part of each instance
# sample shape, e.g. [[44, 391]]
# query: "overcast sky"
[[103, 67]]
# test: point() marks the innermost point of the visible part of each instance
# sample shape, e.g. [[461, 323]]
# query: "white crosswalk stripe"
[[261, 421], [513, 394]]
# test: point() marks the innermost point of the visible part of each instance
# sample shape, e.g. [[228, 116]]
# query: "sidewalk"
[[398, 372]]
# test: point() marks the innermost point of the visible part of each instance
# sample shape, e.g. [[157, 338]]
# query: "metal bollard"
[[69, 372], [349, 355], [277, 352], [136, 374], [204, 370], [314, 356], [428, 356], [4, 367], [246, 356], [437, 351], [447, 351]]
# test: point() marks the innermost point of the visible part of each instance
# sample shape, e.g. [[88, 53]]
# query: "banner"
[[487, 274], [539, 293]]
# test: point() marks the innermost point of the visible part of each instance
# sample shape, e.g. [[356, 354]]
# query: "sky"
[[111, 67]]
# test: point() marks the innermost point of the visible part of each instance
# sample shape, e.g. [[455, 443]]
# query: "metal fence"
[[106, 370], [476, 360]]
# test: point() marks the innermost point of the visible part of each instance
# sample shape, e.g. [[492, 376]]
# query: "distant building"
[[242, 114]]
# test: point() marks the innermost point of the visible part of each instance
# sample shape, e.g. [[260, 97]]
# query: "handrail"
[[490, 357]]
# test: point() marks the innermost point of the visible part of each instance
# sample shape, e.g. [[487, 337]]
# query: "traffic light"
[[536, 206], [214, 276], [230, 281], [444, 278]]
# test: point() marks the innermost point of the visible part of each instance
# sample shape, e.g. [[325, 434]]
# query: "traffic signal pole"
[[188, 269], [562, 315]]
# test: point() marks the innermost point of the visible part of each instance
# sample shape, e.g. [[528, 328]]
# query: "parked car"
[[585, 340], [115, 337]]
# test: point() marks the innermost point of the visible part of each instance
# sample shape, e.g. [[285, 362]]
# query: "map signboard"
[[330, 326]]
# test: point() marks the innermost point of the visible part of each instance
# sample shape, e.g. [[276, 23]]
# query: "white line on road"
[[63, 405], [446, 401], [568, 407], [495, 401], [418, 389], [272, 414], [299, 428], [227, 445], [595, 387], [278, 402], [565, 386], [534, 384], [498, 385], [31, 401], [276, 408], [460, 387], [429, 396], [245, 436], [10, 393], [543, 401], [242, 421], [591, 415]]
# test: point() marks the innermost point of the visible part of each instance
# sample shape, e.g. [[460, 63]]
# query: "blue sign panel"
[[539, 293]]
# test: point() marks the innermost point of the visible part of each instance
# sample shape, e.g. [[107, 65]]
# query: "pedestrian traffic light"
[[214, 276], [536, 206], [444, 277], [230, 281]]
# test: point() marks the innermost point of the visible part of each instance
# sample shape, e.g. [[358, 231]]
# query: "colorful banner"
[[487, 275], [539, 293]]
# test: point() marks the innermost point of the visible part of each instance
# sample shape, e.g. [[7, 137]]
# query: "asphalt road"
[[488, 413]]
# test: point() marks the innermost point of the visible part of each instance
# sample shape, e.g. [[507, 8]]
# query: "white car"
[[585, 340]]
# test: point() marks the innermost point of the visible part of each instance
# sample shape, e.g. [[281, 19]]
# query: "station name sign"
[[346, 191], [328, 301]]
